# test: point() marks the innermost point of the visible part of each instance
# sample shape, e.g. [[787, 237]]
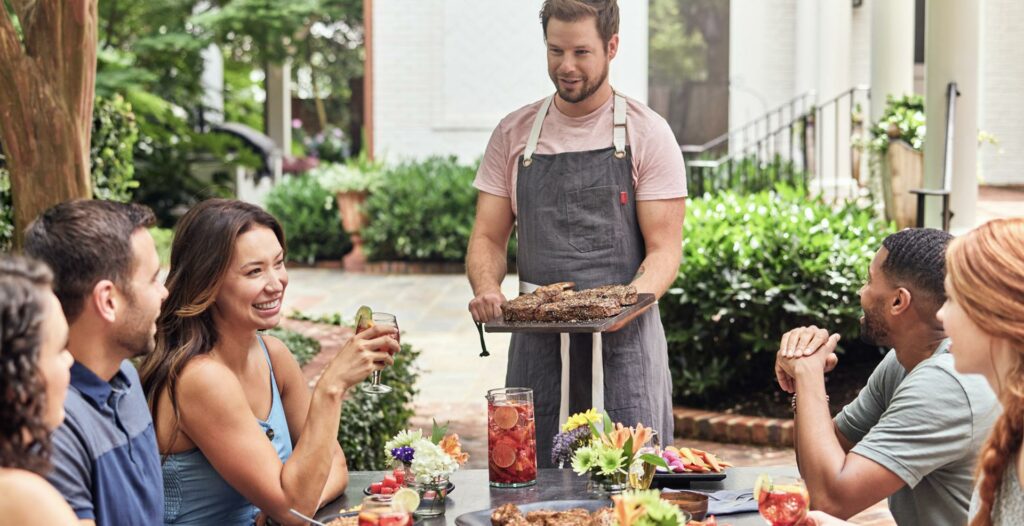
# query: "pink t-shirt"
[[658, 169]]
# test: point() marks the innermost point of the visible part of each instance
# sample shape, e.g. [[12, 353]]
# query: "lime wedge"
[[762, 486], [405, 500], [364, 318]]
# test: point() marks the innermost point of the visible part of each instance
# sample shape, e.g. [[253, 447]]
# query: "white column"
[[892, 51], [952, 55], [279, 105], [212, 82], [833, 77], [806, 47]]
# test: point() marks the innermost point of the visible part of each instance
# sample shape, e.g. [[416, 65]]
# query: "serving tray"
[[644, 301]]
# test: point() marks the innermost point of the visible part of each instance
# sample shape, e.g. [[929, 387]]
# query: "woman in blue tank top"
[[240, 430]]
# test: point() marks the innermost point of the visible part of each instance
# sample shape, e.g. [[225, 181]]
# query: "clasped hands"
[[810, 349]]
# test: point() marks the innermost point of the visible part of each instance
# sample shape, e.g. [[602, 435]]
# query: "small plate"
[[451, 488], [483, 517], [683, 480]]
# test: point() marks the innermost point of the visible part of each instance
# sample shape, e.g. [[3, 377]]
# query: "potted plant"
[[351, 182]]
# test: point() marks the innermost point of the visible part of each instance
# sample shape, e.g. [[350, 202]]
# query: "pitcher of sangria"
[[511, 438]]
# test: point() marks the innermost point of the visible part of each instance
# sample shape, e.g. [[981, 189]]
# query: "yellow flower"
[[590, 416], [451, 445], [627, 509]]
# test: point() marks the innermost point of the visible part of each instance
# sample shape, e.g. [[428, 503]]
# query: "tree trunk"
[[47, 85]]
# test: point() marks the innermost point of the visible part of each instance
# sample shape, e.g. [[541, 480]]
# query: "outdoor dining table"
[[472, 492]]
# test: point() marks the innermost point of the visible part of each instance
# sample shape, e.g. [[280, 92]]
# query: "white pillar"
[[892, 51], [835, 18], [212, 82], [279, 105], [806, 46], [952, 55]]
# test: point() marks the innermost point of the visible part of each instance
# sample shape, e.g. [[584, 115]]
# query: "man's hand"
[[486, 306], [804, 343]]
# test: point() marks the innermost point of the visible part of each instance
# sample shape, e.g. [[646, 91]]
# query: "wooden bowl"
[[691, 501]]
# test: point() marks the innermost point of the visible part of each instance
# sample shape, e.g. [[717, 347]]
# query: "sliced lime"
[[762, 486], [364, 318], [405, 500]]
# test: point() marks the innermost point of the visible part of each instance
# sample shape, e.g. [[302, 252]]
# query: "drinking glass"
[[377, 511], [511, 438], [387, 320], [783, 501]]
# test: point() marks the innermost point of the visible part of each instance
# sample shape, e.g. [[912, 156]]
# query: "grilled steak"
[[522, 308], [624, 294], [508, 515], [553, 291], [578, 309], [573, 517]]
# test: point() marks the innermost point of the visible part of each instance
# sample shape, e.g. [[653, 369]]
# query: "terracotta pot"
[[353, 220]]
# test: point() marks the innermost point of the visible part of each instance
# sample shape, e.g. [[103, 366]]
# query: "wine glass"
[[386, 320], [782, 501]]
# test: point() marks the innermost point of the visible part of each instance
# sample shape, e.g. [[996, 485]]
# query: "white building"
[[443, 72]]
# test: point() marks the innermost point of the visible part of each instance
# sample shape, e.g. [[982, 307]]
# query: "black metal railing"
[[947, 165], [788, 145]]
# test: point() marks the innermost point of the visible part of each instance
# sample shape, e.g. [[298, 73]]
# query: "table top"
[[473, 492]]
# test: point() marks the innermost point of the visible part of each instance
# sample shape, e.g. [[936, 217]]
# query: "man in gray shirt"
[[913, 433]]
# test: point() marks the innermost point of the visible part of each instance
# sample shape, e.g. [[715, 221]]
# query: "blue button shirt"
[[105, 458]]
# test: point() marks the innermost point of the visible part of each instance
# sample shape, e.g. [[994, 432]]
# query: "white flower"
[[403, 438], [431, 462]]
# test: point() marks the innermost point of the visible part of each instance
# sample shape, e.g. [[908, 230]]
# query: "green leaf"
[[437, 433], [654, 460], [608, 426]]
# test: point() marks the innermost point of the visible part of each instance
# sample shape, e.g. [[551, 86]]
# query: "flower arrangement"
[[646, 508], [428, 460], [607, 452]]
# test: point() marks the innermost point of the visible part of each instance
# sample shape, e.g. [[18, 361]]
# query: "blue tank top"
[[195, 494]]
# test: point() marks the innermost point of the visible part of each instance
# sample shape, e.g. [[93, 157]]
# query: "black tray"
[[644, 301], [483, 517], [683, 480]]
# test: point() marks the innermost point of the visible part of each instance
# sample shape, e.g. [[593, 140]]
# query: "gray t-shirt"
[[927, 427]]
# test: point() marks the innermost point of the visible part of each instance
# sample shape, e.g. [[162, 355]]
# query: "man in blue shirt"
[[106, 269]]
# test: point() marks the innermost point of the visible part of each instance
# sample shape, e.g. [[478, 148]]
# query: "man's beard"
[[873, 330], [135, 334], [586, 88]]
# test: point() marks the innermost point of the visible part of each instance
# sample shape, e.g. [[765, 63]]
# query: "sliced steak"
[[522, 308], [578, 309]]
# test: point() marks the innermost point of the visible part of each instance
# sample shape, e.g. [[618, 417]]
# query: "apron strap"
[[596, 369], [538, 122], [619, 130]]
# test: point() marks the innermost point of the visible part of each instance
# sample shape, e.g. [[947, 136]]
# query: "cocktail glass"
[[378, 511], [782, 501], [511, 438], [387, 320]]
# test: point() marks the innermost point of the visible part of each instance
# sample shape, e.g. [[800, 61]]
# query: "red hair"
[[985, 269]]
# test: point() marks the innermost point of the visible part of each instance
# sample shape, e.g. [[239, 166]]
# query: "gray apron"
[[577, 222]]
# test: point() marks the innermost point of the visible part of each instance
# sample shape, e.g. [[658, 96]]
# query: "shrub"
[[905, 117], [163, 238], [310, 219], [114, 134], [753, 267], [423, 211], [368, 420], [303, 347]]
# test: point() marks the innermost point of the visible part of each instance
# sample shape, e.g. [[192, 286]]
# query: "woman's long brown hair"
[[985, 269], [204, 242]]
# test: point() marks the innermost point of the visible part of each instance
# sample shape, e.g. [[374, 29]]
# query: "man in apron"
[[595, 184]]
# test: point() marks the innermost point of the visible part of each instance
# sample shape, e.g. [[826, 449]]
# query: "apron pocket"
[[592, 215]]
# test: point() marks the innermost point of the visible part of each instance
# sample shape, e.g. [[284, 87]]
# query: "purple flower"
[[296, 123], [404, 453], [564, 444]]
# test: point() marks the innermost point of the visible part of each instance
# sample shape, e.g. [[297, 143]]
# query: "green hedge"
[[423, 211], [310, 219], [114, 134], [303, 347], [753, 267], [368, 420]]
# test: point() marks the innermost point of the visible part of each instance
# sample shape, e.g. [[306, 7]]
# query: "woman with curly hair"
[[34, 377], [984, 317]]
